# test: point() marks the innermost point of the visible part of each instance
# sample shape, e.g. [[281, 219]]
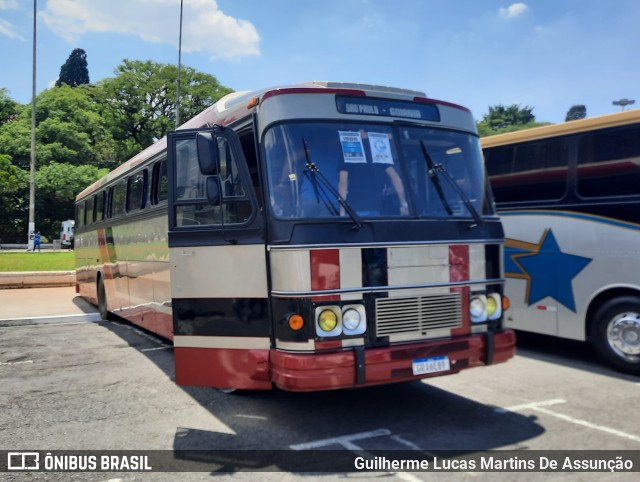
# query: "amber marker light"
[[506, 303], [296, 322], [253, 102]]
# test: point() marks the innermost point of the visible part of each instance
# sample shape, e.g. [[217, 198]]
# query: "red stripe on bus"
[[325, 272], [459, 271], [459, 263]]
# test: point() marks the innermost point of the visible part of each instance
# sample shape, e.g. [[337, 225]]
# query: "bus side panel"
[[579, 250], [222, 332]]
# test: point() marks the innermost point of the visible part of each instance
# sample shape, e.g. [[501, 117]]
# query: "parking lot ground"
[[40, 304], [82, 385]]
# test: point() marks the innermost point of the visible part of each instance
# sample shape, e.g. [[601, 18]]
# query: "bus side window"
[[160, 182], [137, 191], [247, 143], [237, 205], [609, 163], [119, 195], [98, 204], [80, 214], [88, 211]]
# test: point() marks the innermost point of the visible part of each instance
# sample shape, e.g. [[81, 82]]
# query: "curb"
[[56, 319], [37, 279]]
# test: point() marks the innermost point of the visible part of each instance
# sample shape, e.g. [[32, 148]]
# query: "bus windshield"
[[320, 170]]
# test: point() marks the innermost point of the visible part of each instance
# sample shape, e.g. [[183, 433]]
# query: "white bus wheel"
[[615, 333]]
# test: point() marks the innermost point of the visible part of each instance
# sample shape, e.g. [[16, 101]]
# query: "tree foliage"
[[141, 100], [576, 112], [74, 71], [8, 107], [501, 119], [83, 130]]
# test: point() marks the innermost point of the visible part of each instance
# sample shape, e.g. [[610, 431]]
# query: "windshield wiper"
[[315, 175], [434, 173]]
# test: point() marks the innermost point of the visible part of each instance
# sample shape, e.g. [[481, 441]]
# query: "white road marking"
[[540, 407], [163, 347], [531, 406], [346, 440], [17, 362]]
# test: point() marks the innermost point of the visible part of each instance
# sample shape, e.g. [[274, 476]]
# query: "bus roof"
[[562, 129], [237, 105]]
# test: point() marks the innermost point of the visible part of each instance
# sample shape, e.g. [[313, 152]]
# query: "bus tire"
[[102, 300], [615, 333]]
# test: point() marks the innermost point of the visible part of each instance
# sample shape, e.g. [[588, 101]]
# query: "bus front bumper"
[[361, 367]]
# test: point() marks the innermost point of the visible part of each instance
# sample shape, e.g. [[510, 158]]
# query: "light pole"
[[179, 68], [623, 102], [32, 169]]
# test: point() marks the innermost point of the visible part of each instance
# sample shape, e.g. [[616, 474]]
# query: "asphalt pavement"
[[24, 306]]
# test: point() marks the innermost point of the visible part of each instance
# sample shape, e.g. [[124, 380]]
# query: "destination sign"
[[387, 108]]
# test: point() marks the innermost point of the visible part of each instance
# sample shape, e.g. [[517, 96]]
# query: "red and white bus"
[[311, 237]]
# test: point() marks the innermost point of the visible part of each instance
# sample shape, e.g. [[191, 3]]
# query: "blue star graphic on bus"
[[548, 270]]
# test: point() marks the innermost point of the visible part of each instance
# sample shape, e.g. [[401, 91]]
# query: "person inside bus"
[[368, 177]]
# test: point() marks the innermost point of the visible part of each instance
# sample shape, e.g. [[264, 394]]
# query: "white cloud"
[[9, 30], [205, 28], [8, 4], [514, 10]]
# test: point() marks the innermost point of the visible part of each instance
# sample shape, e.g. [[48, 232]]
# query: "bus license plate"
[[430, 365]]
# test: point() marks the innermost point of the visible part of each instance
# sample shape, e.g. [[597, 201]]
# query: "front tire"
[[615, 333], [102, 300]]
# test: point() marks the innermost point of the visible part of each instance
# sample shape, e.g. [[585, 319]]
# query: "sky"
[[545, 54]]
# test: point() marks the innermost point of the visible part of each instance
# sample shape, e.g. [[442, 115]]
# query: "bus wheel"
[[102, 300], [615, 333]]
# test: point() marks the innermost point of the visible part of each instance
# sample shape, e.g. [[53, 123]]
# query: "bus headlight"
[[328, 321], [494, 306], [478, 308], [354, 320]]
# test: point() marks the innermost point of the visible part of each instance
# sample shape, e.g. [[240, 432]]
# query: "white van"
[[66, 233]]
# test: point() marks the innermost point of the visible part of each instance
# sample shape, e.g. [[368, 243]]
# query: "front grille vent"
[[418, 314]]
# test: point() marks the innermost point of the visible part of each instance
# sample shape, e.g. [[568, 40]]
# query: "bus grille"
[[418, 315]]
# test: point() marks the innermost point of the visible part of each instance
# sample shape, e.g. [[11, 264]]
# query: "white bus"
[[310, 237], [569, 197]]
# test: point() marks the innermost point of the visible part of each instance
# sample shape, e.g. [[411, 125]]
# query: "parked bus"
[[569, 197], [311, 237], [66, 233]]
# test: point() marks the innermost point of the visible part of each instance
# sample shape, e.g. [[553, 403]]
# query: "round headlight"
[[492, 306], [351, 319], [476, 307], [327, 320]]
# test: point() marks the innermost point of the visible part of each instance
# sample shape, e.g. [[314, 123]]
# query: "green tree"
[[69, 129], [8, 107], [74, 71], [501, 119], [57, 186], [14, 201], [576, 112], [141, 100]]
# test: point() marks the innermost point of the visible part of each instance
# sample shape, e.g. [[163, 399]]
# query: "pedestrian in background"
[[36, 241]]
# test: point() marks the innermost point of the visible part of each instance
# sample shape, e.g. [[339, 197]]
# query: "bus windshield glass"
[[321, 170]]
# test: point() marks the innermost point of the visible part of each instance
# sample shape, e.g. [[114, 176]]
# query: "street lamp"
[[32, 168], [179, 68], [623, 102]]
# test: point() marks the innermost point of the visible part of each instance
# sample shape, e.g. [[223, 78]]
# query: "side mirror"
[[207, 148], [213, 190]]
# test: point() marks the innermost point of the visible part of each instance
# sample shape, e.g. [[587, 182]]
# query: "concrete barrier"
[[37, 279]]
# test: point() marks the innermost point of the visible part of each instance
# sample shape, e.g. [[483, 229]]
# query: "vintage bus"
[[311, 237], [569, 198]]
